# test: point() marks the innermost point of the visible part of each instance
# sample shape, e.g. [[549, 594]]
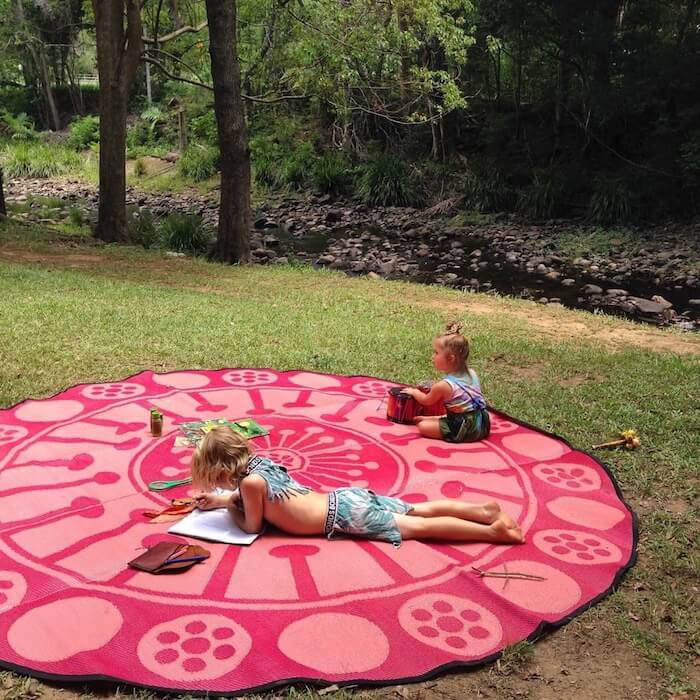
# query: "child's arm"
[[248, 511], [438, 392], [209, 501]]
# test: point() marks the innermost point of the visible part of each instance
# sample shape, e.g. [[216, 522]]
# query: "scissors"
[[163, 485]]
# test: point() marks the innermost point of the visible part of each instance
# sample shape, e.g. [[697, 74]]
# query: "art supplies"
[[169, 556], [164, 485], [195, 430], [214, 525], [178, 508], [156, 422]]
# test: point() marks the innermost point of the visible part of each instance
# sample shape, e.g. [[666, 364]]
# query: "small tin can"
[[156, 423]]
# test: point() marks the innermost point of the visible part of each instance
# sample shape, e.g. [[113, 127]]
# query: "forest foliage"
[[538, 106]]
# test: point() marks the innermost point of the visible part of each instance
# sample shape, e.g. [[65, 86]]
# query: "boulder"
[[662, 302], [646, 306]]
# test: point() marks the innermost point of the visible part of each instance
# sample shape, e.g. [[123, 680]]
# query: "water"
[[492, 276]]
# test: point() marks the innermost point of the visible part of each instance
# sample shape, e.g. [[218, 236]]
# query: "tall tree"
[[119, 49], [232, 244], [3, 209]]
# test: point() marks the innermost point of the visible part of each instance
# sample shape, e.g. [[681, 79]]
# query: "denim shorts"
[[362, 513]]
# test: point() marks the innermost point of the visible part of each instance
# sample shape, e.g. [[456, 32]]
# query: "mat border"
[[540, 631]]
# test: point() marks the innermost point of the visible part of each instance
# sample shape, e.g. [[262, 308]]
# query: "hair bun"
[[454, 328]]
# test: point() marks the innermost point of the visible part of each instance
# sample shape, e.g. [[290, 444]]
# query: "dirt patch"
[[152, 165], [578, 380], [559, 324], [531, 371], [582, 660], [677, 506]]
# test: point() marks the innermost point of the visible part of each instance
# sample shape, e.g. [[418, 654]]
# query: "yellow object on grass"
[[628, 438]]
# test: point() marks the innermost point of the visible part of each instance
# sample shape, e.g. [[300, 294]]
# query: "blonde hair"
[[454, 342], [221, 459]]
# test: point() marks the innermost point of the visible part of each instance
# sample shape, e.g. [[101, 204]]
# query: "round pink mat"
[[74, 471]]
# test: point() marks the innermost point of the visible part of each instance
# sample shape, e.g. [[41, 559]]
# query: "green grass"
[[595, 241], [128, 309], [31, 159]]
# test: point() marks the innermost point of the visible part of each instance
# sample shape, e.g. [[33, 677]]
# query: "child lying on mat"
[[266, 493], [466, 419]]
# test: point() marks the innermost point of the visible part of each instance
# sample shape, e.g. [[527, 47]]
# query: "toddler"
[[266, 493], [466, 419]]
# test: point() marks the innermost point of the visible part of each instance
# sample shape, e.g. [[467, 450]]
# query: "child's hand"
[[209, 501], [411, 391], [235, 500]]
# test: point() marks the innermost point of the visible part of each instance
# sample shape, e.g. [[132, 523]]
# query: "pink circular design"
[[452, 624], [182, 380], [315, 381], [335, 643], [500, 426], [11, 433], [568, 477], [586, 512], [372, 388], [535, 446], [185, 650], [68, 627], [74, 472], [116, 391], [249, 377], [48, 411], [577, 547], [13, 588], [536, 595]]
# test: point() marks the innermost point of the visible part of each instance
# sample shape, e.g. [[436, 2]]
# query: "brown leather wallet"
[[169, 556]]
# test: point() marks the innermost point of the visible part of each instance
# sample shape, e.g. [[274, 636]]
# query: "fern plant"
[[611, 201], [387, 182]]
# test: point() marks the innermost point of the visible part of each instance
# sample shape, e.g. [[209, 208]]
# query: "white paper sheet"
[[213, 525]]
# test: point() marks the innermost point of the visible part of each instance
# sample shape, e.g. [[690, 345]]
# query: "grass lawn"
[[74, 312]]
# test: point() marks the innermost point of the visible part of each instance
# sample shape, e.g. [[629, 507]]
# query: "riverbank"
[[650, 274]]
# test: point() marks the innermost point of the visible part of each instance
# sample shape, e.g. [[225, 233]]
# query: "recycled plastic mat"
[[74, 471]]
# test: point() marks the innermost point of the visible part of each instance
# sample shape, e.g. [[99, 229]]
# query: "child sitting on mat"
[[466, 419], [266, 493]]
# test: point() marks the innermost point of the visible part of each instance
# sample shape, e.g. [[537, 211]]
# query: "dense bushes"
[[387, 181], [199, 162], [18, 127], [84, 133], [185, 233], [34, 159]]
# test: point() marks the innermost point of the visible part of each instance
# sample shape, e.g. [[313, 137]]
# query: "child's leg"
[[484, 513], [503, 530], [429, 426]]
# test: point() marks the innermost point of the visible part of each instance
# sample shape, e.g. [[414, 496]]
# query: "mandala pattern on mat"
[[74, 471]]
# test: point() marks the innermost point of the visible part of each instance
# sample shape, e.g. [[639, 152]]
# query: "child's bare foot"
[[491, 510], [506, 530]]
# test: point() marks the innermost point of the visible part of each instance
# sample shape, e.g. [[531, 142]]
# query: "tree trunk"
[[232, 243], [38, 55], [3, 209], [118, 54], [175, 14]]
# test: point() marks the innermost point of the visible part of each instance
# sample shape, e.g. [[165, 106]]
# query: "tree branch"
[[168, 74], [250, 98], [174, 35]]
